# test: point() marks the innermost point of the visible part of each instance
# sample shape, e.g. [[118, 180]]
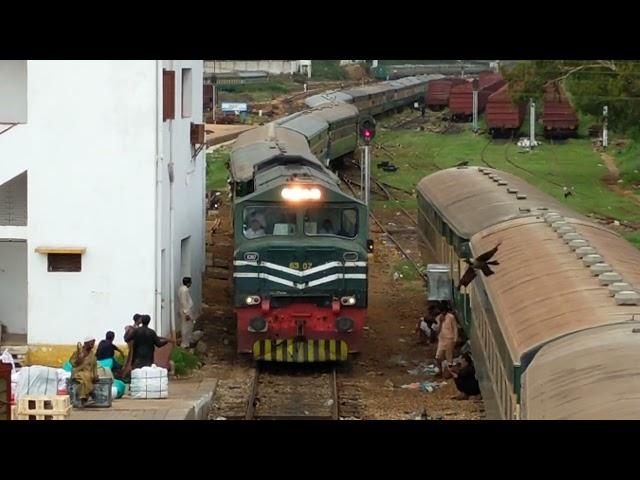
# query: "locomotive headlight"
[[258, 324], [344, 324], [297, 193], [253, 300], [348, 301]]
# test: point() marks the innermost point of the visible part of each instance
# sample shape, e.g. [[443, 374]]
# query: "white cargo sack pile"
[[37, 380], [149, 382]]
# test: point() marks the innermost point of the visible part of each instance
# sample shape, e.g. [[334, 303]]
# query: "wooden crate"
[[55, 407], [41, 417]]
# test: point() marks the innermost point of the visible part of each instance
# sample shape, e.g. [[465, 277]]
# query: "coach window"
[[342, 222], [265, 221]]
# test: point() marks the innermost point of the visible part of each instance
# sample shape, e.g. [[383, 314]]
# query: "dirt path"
[[611, 178]]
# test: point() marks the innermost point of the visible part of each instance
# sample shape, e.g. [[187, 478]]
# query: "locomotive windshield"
[[262, 221], [273, 220], [342, 222]]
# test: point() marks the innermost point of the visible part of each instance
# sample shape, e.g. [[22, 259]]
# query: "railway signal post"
[[605, 133], [475, 105], [532, 125], [367, 132]]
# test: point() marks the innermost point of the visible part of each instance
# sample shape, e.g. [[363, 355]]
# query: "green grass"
[[184, 361], [327, 70], [633, 238], [217, 172], [628, 161], [257, 92], [573, 163], [407, 270]]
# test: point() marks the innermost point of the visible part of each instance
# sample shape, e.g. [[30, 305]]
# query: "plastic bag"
[[37, 380], [149, 382], [106, 363]]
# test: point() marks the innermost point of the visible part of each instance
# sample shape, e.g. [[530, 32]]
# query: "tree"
[[591, 85]]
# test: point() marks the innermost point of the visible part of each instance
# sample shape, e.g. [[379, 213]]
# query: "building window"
[[64, 262], [168, 95], [186, 92], [13, 92]]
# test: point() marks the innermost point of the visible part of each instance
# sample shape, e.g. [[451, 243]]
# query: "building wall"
[[13, 286], [89, 148], [13, 91], [188, 195], [275, 67]]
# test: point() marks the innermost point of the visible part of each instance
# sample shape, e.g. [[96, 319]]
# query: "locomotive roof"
[[266, 143], [280, 175], [470, 201]]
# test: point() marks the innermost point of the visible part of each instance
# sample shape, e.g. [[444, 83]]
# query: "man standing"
[[136, 323], [447, 336], [144, 340], [185, 304]]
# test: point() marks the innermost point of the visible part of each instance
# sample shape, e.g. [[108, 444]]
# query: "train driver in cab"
[[255, 229], [327, 228]]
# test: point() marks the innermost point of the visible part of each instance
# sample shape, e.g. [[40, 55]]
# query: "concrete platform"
[[188, 400]]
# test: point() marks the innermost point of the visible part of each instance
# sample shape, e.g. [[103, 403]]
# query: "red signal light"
[[367, 133]]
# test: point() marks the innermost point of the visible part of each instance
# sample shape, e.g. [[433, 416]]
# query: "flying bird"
[[463, 163], [481, 263]]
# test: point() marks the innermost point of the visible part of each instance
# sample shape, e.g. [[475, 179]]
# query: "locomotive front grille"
[[300, 351]]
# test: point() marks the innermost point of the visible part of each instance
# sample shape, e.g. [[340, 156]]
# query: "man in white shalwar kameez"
[[185, 306]]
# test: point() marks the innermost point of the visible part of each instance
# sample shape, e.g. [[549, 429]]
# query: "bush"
[[185, 362]]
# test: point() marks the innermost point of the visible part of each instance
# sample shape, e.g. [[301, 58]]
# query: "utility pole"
[[605, 121], [367, 174], [367, 132], [532, 126], [475, 105], [215, 84]]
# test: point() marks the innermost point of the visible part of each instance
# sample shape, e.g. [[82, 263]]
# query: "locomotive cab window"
[[342, 222], [264, 221]]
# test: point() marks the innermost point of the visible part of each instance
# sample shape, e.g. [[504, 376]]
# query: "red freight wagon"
[[461, 97], [437, 97], [558, 117], [503, 118]]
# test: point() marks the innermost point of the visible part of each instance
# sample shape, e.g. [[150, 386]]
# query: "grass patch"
[[573, 163], [633, 238], [628, 162], [217, 172], [185, 362], [407, 270], [327, 70], [257, 92]]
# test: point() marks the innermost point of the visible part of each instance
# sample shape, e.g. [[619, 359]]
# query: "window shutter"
[[168, 95]]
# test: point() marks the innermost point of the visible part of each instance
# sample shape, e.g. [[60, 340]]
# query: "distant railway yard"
[[392, 375]]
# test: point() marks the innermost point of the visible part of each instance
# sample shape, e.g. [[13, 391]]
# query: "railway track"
[[276, 391], [482, 152], [415, 264]]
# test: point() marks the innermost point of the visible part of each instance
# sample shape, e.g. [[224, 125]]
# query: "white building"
[[101, 196], [273, 67]]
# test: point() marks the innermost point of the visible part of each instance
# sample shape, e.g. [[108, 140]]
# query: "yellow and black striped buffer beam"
[[296, 351]]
